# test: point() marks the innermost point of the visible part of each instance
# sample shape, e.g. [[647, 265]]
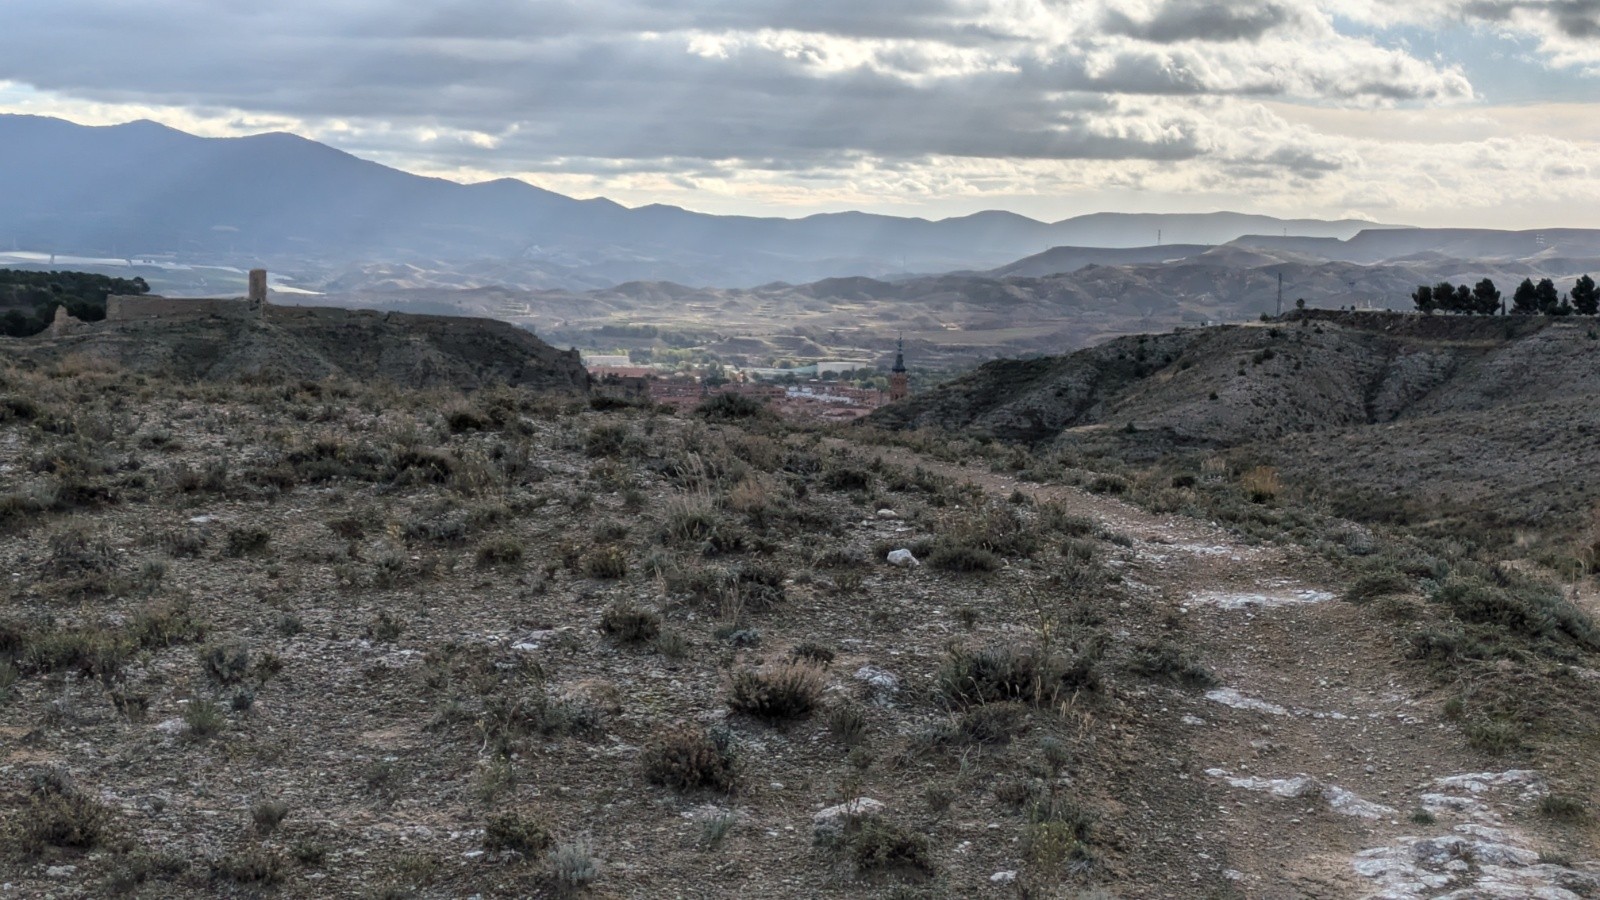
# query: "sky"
[[1481, 113]]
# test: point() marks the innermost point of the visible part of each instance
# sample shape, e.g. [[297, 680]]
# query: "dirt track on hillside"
[[1330, 762]]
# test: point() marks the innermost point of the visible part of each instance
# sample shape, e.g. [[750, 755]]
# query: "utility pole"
[[1280, 295], [1158, 237]]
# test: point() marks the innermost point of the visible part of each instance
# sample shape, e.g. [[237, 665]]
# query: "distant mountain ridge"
[[143, 189]]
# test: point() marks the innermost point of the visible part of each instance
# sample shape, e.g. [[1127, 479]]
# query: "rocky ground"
[[327, 639]]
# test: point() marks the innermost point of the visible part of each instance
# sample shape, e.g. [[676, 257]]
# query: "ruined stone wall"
[[136, 308]]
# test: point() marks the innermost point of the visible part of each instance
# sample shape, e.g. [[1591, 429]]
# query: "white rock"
[[888, 514], [1003, 877], [881, 685], [1231, 697], [60, 871], [1233, 600], [1347, 803], [830, 822], [903, 558]]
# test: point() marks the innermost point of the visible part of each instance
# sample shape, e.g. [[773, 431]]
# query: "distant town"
[[826, 390]]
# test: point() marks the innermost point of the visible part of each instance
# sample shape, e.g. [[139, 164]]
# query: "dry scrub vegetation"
[[335, 639]]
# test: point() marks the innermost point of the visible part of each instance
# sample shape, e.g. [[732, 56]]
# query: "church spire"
[[899, 381]]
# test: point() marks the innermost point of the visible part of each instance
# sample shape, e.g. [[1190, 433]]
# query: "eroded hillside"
[[1376, 410]]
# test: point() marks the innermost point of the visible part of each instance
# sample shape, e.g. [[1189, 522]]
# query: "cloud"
[[814, 102], [1197, 20]]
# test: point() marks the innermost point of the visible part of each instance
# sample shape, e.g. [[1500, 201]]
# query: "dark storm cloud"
[[1201, 20]]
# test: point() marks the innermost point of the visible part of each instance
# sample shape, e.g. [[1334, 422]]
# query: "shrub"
[[785, 691], [512, 831], [95, 652], [1107, 484], [686, 757], [203, 718], [502, 551], [257, 866], [992, 723], [58, 815], [848, 723], [879, 847], [266, 815], [714, 830], [1165, 661], [227, 663], [78, 551], [1260, 484], [1564, 808], [760, 584], [1373, 585], [1010, 672], [606, 562], [846, 478], [246, 540], [1524, 608], [1495, 737], [385, 628], [948, 556], [731, 407], [605, 440], [573, 865], [813, 652], [630, 624]]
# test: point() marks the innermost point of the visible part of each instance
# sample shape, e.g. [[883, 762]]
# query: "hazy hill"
[[145, 190]]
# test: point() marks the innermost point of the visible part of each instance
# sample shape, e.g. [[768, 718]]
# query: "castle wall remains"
[[149, 306]]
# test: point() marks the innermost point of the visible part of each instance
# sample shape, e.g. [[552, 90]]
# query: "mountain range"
[[143, 190]]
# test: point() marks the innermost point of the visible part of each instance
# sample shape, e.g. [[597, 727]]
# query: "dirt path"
[[1329, 762]]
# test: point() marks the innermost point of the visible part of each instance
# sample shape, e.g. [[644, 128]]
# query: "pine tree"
[[1444, 297], [1525, 302], [1586, 297], [1486, 298], [1423, 298], [1547, 297]]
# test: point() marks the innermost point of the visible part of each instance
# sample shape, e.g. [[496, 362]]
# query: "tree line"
[[29, 299], [1529, 299]]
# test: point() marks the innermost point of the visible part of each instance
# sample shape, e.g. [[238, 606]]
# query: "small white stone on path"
[[903, 558], [1231, 697], [1003, 877]]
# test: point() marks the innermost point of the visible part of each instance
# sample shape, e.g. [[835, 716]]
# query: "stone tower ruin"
[[256, 301], [899, 381]]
